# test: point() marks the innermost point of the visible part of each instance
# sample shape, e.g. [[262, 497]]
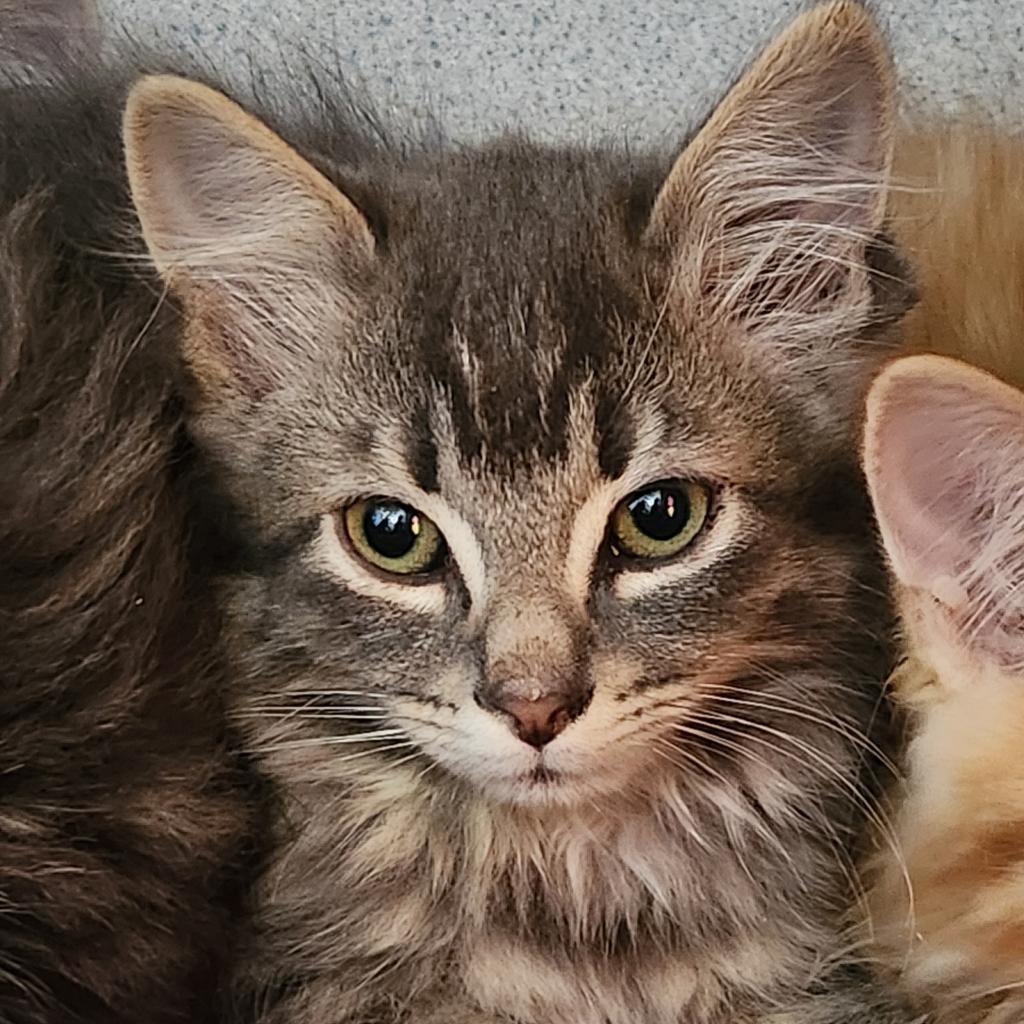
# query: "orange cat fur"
[[957, 209], [944, 456]]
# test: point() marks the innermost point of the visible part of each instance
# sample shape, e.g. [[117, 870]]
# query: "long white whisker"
[[331, 741]]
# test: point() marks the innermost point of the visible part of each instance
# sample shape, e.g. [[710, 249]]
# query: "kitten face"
[[532, 589], [506, 345]]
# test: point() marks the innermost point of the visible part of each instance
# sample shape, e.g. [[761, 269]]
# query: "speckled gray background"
[[577, 67]]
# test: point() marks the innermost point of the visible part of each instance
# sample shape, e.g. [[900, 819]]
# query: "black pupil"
[[660, 513], [391, 529]]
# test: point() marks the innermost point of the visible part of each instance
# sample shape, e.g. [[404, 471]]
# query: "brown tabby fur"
[[513, 338], [119, 810], [122, 811]]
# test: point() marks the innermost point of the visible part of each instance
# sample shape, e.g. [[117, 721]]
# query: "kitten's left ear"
[[257, 242], [771, 210], [944, 459]]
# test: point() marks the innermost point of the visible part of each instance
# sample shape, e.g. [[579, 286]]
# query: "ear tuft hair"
[[771, 209]]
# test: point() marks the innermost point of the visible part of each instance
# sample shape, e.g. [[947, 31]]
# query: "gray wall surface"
[[636, 68]]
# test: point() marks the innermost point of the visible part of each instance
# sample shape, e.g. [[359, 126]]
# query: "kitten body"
[[512, 340], [956, 211], [123, 813]]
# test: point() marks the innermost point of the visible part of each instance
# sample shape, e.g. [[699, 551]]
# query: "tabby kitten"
[[944, 449], [553, 613], [123, 815]]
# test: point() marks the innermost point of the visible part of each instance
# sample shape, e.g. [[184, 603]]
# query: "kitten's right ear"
[[770, 210], [263, 250], [944, 459]]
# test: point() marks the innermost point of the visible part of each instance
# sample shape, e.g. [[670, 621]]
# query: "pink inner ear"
[[944, 456], [929, 459]]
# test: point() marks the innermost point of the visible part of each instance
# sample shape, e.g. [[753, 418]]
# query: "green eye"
[[393, 536], [661, 520]]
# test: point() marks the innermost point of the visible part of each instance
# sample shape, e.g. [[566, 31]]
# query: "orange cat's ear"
[[257, 242], [944, 459], [771, 207]]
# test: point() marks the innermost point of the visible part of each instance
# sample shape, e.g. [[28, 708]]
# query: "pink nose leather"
[[539, 721]]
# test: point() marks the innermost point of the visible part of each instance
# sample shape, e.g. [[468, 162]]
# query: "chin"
[[541, 787], [550, 781]]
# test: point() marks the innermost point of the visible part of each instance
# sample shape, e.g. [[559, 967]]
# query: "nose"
[[535, 720]]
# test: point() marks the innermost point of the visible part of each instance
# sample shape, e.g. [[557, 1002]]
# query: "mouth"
[[542, 775], [543, 784], [540, 786]]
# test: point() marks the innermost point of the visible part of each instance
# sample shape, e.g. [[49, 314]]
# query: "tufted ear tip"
[[814, 109], [773, 213], [204, 173]]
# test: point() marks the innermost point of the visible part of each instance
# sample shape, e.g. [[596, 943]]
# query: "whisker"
[[318, 694], [759, 825], [775, 702], [874, 813], [320, 713], [817, 758], [329, 741]]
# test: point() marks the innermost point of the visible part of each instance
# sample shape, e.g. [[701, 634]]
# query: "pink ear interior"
[[944, 457]]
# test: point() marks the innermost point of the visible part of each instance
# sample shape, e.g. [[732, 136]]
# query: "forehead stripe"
[[615, 435], [421, 452]]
